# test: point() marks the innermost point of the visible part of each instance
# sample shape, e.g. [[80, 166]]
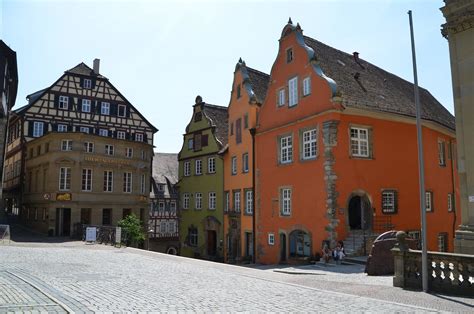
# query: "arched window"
[[300, 244]]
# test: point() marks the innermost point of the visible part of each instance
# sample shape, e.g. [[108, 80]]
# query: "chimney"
[[356, 56], [96, 65]]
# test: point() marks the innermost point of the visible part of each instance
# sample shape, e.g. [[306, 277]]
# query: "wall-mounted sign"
[[107, 160], [63, 197], [46, 196]]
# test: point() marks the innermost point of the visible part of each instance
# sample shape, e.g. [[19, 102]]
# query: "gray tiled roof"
[[83, 69], [165, 165], [259, 82], [219, 119], [376, 89]]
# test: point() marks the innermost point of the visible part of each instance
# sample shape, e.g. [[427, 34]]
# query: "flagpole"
[[421, 169]]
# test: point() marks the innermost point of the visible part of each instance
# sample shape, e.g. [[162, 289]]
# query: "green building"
[[201, 182]]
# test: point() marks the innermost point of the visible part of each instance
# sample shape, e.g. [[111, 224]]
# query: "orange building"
[[336, 155], [248, 92]]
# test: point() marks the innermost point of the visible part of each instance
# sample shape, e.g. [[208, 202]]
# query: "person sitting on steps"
[[338, 253], [326, 253]]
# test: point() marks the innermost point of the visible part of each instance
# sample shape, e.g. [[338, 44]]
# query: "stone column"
[[459, 30], [330, 177]]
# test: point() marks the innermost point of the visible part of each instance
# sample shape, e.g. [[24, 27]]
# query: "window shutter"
[[395, 201], [30, 128], [113, 109], [127, 136], [371, 142], [97, 107], [96, 130], [93, 81], [92, 106], [82, 82], [204, 140], [128, 112], [133, 136], [79, 104], [145, 138], [56, 100]]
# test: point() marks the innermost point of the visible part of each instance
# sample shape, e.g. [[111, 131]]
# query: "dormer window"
[[238, 91], [87, 83], [289, 55], [105, 108], [161, 187], [63, 102]]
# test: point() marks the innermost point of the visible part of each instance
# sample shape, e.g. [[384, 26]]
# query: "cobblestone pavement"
[[96, 278]]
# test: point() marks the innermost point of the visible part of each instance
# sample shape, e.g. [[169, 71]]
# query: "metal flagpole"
[[421, 170]]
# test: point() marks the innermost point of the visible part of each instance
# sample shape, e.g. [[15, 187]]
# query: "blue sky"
[[161, 54]]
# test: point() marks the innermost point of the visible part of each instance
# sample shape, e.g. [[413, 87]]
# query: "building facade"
[[459, 31], [201, 183], [163, 224], [79, 153], [8, 91], [248, 92], [337, 154]]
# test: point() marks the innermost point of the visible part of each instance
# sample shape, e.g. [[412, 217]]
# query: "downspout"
[[254, 234], [452, 185]]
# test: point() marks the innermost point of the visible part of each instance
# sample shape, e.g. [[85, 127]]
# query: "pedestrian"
[[326, 253], [338, 253]]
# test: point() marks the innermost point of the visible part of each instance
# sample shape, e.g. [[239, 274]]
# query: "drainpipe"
[[253, 131]]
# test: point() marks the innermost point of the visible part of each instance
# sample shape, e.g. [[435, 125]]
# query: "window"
[[63, 102], [139, 137], [293, 92], [227, 201], [237, 201], [232, 128], [173, 208], [66, 145], [234, 165], [105, 108], [185, 200], [190, 144], [142, 184], [360, 142], [143, 154], [212, 200], [103, 132], [64, 179], [310, 144], [108, 180], [246, 121], [128, 152], [106, 216], [62, 128], [450, 202], [87, 180], [286, 149], [198, 200], [238, 131], [197, 142], [193, 236], [238, 92], [37, 129], [109, 149], [86, 105], [289, 55], [44, 214], [198, 116], [84, 129], [429, 201], [306, 86], [281, 97], [285, 197], [198, 167], [248, 202], [187, 168], [442, 242], [163, 227], [300, 244], [389, 201], [87, 83], [441, 153], [211, 165], [121, 135], [271, 239], [161, 187], [88, 147], [121, 111], [245, 162], [127, 182]]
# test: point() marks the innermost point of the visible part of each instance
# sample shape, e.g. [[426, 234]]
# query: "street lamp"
[[150, 231]]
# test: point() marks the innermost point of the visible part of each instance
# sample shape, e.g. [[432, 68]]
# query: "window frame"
[[187, 168], [212, 200], [129, 152], [38, 129], [86, 103], [139, 137], [121, 135], [64, 179], [89, 147], [86, 180], [389, 206], [105, 108], [233, 165], [186, 198], [87, 83], [62, 128], [309, 143], [109, 149], [124, 111], [236, 201], [197, 167], [84, 129], [211, 166], [293, 96], [66, 145], [127, 182], [63, 102], [307, 86], [108, 181], [450, 202], [429, 195], [245, 162], [441, 153], [271, 238], [288, 148], [281, 96], [359, 140], [198, 201], [104, 131], [286, 201], [248, 202]]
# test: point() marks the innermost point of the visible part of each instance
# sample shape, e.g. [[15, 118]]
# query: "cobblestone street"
[[95, 278]]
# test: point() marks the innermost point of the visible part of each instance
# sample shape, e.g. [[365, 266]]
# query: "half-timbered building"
[[80, 152], [163, 225]]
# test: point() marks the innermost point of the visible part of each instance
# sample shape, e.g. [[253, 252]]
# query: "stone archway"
[[359, 211]]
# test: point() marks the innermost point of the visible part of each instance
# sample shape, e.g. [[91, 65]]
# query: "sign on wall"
[[63, 197]]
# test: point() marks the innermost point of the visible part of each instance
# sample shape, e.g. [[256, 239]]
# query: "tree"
[[133, 229]]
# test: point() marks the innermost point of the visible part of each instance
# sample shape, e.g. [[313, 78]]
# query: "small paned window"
[[198, 200], [450, 202], [109, 149], [198, 167], [442, 242], [185, 200], [237, 201], [38, 129], [128, 152], [211, 165], [86, 105], [234, 165], [108, 180], [227, 201], [271, 239], [105, 108], [87, 83], [139, 137], [64, 179], [360, 142], [66, 145], [121, 135], [281, 97], [245, 163], [87, 180], [63, 102], [88, 147], [441, 153], [248, 202], [103, 132], [293, 92], [62, 128], [310, 144], [212, 200], [306, 86], [429, 201], [84, 129], [127, 182], [285, 197], [187, 168], [289, 55], [389, 201], [286, 149], [193, 236]]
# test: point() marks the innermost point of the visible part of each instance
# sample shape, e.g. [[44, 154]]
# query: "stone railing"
[[448, 273]]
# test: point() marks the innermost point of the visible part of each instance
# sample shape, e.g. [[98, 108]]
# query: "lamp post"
[[150, 231]]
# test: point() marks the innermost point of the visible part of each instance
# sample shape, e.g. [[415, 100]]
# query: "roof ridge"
[[258, 71], [215, 106]]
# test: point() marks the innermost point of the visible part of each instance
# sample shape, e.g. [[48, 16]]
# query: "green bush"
[[132, 228]]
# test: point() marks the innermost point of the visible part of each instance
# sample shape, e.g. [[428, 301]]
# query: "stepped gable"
[[366, 86], [219, 120]]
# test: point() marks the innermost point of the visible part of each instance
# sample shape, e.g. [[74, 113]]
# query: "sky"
[[162, 54]]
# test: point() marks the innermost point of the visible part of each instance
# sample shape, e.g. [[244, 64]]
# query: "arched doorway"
[[172, 250], [300, 244], [282, 247], [359, 212]]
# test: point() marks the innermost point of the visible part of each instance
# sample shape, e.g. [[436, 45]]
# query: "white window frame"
[[109, 149], [105, 108], [187, 168], [121, 135], [86, 105], [84, 129], [173, 207], [108, 181], [307, 86], [66, 145], [198, 200], [245, 162], [293, 91], [271, 238], [285, 197], [450, 202], [281, 97], [89, 147], [227, 201], [186, 200], [212, 200], [388, 201], [310, 144], [38, 129], [234, 165], [127, 182], [441, 153], [86, 180], [63, 102], [358, 143], [124, 111], [429, 201], [88, 83], [193, 237], [103, 132], [286, 149], [142, 184], [198, 167], [237, 201], [64, 178], [211, 165], [249, 202], [128, 152], [138, 137], [62, 128]]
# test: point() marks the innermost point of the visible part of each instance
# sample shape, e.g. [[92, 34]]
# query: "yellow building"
[[79, 153]]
